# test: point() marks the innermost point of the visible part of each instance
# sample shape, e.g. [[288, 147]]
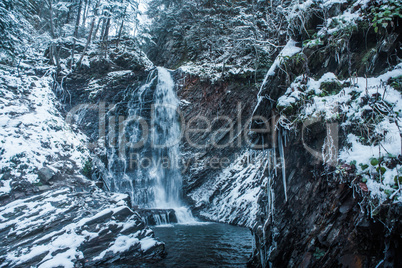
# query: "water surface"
[[204, 245]]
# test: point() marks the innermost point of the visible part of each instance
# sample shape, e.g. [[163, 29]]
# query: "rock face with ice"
[[151, 172], [231, 196], [337, 196], [148, 165], [69, 228]]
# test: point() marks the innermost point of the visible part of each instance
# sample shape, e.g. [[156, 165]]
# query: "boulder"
[[45, 174]]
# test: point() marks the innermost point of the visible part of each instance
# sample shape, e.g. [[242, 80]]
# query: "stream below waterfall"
[[204, 245]]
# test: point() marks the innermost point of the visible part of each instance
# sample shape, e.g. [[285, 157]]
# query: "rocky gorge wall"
[[215, 154], [323, 221], [325, 211], [313, 212], [302, 209]]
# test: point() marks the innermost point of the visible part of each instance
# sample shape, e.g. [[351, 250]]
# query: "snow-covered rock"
[[367, 111], [67, 228], [33, 133], [232, 196]]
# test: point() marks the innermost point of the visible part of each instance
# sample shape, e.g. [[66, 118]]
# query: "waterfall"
[[166, 135], [165, 138], [145, 164]]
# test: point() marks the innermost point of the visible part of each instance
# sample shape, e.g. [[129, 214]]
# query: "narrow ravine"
[[271, 136]]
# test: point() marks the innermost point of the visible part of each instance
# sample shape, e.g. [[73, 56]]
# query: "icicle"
[[282, 156], [275, 163]]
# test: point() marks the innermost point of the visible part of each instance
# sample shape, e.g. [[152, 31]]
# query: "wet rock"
[[43, 188], [158, 216], [323, 221], [45, 174], [21, 186]]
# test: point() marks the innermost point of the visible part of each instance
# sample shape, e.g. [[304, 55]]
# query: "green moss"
[[369, 54], [298, 58], [330, 88], [319, 253], [363, 24], [311, 43], [396, 82]]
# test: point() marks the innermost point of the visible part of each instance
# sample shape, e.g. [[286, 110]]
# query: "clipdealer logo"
[[198, 132]]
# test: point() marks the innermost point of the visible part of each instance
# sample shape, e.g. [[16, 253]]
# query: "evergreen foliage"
[[224, 33]]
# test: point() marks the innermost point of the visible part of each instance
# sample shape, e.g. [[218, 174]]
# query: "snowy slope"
[[32, 131]]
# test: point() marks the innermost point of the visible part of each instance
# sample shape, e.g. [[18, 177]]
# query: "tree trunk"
[[54, 53], [106, 35], [121, 28], [97, 28], [85, 13], [88, 42], [77, 23], [119, 35], [103, 28], [89, 34], [51, 19]]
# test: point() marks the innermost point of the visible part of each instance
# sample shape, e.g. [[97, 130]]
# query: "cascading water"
[[165, 137], [145, 164]]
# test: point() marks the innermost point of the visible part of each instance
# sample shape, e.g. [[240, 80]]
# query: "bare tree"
[[77, 23], [54, 53], [95, 14]]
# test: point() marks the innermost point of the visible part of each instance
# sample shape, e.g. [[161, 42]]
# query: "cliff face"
[[332, 196], [336, 201], [51, 213], [322, 221], [211, 157], [56, 228]]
